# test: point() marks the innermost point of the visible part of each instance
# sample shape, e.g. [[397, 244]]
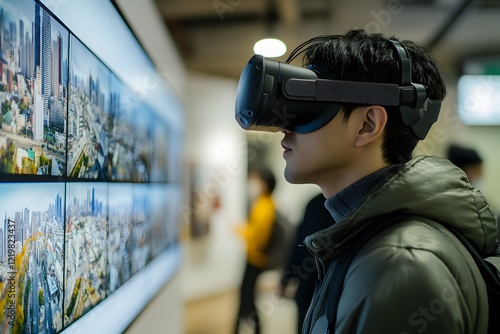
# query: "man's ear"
[[373, 120]]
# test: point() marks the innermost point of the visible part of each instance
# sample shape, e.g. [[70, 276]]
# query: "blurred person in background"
[[469, 161], [256, 234], [300, 272]]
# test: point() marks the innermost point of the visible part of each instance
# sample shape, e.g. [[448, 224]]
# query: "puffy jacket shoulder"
[[414, 272]]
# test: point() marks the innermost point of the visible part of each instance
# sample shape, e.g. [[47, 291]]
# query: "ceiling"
[[217, 36]]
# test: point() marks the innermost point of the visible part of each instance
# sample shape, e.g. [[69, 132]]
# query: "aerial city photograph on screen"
[[121, 143], [129, 231], [88, 115], [31, 257], [33, 90], [86, 280]]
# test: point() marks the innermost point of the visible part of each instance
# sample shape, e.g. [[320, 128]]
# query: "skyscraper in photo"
[[36, 38], [38, 108], [59, 207], [18, 223], [46, 64], [2, 242], [93, 207], [13, 33], [22, 50], [30, 57], [56, 118], [4, 46], [57, 52], [26, 224], [1, 29], [88, 202]]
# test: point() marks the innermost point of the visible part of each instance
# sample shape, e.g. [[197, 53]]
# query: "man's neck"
[[341, 179], [344, 202]]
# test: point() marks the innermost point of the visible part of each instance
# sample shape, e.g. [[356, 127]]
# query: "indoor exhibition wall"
[[88, 195]]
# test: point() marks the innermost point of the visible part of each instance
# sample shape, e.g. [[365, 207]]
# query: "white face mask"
[[477, 183], [254, 189]]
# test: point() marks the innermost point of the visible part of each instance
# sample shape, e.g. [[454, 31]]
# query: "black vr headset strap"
[[342, 91], [422, 112]]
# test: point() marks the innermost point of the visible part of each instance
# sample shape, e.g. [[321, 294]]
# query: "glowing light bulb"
[[270, 47]]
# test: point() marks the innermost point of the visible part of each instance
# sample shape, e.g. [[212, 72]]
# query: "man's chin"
[[293, 177]]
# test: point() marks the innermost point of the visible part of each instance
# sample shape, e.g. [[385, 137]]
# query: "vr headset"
[[273, 95]]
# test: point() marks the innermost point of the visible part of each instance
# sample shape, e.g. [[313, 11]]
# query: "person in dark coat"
[[300, 270]]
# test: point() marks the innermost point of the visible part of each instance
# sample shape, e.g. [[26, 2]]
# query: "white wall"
[[216, 148], [149, 28]]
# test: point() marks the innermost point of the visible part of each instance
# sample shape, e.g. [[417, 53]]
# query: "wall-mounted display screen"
[[121, 143], [76, 242], [163, 200], [88, 115], [129, 231], [86, 232], [143, 124], [160, 171], [97, 211], [33, 90], [31, 257]]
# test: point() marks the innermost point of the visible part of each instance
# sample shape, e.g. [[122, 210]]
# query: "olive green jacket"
[[414, 276]]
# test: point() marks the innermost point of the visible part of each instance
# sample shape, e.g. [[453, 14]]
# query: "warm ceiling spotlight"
[[270, 47]]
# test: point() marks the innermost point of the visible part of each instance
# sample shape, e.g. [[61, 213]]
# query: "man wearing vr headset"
[[351, 119]]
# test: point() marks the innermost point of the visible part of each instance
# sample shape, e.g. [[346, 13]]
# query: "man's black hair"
[[463, 156], [359, 56]]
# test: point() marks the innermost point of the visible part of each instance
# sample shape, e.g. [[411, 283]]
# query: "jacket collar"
[[415, 189]]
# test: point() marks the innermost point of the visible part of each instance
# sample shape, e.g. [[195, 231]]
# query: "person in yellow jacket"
[[256, 233]]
